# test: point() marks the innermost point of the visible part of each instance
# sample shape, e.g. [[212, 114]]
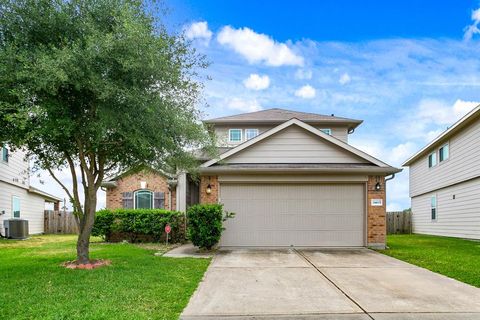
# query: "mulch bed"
[[86, 266]]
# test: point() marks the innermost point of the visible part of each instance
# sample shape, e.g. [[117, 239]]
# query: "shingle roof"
[[277, 115], [300, 167]]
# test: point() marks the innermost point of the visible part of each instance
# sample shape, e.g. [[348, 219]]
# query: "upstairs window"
[[251, 133], [444, 153], [433, 207], [143, 199], [432, 159], [327, 131], [235, 135], [15, 207], [4, 154]]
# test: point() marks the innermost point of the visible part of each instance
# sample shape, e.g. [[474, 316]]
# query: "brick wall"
[[376, 219], [130, 183], [213, 196]]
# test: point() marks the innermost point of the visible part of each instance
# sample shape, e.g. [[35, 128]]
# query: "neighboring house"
[[445, 181], [19, 200], [291, 178]]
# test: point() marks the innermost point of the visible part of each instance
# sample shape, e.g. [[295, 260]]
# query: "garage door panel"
[[312, 206], [308, 238], [289, 221], [294, 214]]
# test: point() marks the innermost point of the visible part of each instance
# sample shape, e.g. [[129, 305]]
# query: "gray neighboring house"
[[18, 199], [445, 181]]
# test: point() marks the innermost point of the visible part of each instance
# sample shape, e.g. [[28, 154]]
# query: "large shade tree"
[[95, 86]]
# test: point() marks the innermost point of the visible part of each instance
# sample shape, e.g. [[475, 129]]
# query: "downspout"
[[390, 178]]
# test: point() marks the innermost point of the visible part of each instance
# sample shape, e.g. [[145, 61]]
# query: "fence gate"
[[60, 222], [399, 222]]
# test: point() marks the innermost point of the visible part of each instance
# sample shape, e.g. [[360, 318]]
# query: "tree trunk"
[[86, 225]]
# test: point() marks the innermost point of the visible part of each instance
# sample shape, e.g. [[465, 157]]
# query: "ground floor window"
[[433, 207], [16, 207], [143, 199]]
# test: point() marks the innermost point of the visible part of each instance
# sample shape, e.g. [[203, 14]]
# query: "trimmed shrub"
[[139, 225], [205, 224]]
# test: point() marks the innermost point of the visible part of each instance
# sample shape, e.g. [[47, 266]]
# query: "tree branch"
[[61, 184], [71, 164]]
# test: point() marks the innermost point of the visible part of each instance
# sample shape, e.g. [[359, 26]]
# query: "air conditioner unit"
[[16, 228]]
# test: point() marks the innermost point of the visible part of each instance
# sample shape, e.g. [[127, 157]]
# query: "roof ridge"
[[283, 115]]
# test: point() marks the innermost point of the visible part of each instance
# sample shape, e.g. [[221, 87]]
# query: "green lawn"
[[137, 285], [455, 258]]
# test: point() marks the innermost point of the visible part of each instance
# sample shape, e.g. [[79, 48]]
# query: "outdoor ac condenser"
[[16, 228]]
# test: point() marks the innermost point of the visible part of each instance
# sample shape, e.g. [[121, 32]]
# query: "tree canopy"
[[92, 86]]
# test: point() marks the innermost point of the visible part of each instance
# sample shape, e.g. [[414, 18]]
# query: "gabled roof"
[[117, 176], [47, 196], [277, 115], [307, 127], [456, 127]]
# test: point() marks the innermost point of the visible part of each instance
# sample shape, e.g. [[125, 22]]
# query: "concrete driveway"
[[326, 284]]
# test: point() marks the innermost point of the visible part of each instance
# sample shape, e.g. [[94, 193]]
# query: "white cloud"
[[344, 79], [198, 30], [472, 29], [401, 152], [258, 48], [306, 92], [257, 82], [303, 74], [440, 113], [243, 105]]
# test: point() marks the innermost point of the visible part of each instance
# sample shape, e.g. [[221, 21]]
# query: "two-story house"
[[445, 181], [291, 178], [18, 199]]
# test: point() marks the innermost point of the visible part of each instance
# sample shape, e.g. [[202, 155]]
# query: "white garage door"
[[329, 215]]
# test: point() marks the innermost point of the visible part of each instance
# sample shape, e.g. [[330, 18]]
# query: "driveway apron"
[[326, 284]]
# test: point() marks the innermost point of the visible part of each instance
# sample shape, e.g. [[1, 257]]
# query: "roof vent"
[[333, 115]]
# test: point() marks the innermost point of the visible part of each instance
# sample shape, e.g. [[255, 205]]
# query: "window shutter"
[[159, 200], [127, 200], [5, 154]]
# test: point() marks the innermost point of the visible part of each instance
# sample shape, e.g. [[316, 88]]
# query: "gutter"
[[374, 170]]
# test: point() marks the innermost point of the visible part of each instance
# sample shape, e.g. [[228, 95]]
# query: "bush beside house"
[[139, 225], [205, 224]]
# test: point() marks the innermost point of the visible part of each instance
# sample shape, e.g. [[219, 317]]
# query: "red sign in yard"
[[168, 228]]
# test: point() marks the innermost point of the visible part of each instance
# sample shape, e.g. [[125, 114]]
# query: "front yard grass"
[[138, 285], [455, 258]]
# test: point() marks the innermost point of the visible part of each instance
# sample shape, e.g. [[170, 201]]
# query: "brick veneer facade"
[[376, 215], [129, 183], [213, 196]]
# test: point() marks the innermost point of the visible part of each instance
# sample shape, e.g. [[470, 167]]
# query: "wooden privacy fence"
[[399, 222], [60, 222]]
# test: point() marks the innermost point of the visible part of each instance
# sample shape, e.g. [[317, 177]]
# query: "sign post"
[[168, 229]]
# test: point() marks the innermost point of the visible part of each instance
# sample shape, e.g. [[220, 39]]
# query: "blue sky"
[[408, 68], [331, 20]]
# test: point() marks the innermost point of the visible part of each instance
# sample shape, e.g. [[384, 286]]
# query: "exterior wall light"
[[378, 186], [143, 185], [209, 189]]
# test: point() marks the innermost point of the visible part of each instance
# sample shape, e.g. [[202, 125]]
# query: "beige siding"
[[222, 132], [463, 164], [459, 217], [15, 171], [294, 145], [300, 215], [31, 206]]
